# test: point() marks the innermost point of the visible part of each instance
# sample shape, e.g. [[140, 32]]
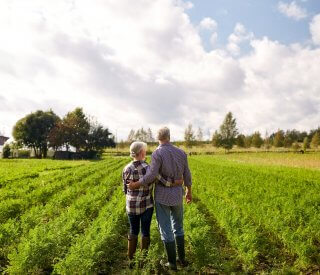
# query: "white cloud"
[[185, 5], [239, 35], [315, 29], [145, 65], [292, 10], [213, 38], [282, 84], [208, 23]]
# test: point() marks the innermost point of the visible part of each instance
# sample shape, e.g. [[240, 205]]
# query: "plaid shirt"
[[139, 200], [171, 161]]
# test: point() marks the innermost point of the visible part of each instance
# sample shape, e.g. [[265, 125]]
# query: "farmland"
[[252, 213]]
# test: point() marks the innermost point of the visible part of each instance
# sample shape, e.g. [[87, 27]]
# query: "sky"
[[133, 64]]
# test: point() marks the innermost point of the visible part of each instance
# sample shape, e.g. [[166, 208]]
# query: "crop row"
[[244, 218], [98, 248], [42, 189], [271, 218], [14, 169], [22, 186], [45, 244], [76, 186], [207, 249]]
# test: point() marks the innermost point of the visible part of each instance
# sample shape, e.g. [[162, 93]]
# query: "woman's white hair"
[[136, 147]]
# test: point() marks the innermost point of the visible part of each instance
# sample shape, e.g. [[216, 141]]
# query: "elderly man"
[[170, 162]]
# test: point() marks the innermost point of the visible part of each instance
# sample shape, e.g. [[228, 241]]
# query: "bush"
[[23, 154], [76, 155], [6, 152], [296, 146]]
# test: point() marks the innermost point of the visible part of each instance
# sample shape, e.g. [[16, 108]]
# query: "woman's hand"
[[133, 185]]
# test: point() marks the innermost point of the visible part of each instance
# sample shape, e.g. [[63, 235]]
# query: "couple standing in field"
[[168, 172]]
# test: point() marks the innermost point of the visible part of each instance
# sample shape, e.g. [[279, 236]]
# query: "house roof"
[[3, 139]]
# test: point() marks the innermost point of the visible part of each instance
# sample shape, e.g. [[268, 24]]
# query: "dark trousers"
[[145, 220]]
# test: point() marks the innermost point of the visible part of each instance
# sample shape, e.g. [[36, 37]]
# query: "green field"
[[252, 213]]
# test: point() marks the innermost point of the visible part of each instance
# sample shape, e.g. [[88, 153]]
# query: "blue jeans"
[[170, 221], [145, 219]]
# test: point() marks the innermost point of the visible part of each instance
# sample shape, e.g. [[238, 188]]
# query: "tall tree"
[[240, 141], [267, 141], [189, 137], [77, 127], [293, 135], [257, 140], [199, 135], [216, 139], [150, 137], [228, 131], [99, 138], [131, 136], [248, 141], [141, 134], [6, 151], [306, 144], [57, 136], [278, 140], [302, 135], [208, 134], [312, 132], [289, 138], [315, 140], [33, 131]]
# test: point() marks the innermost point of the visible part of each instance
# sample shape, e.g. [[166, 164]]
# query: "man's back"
[[173, 164]]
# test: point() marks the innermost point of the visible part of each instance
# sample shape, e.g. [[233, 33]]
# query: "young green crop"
[[76, 185], [12, 170], [67, 217], [98, 248], [263, 210], [37, 191], [46, 243]]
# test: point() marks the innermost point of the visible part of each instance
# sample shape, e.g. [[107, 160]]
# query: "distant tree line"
[[42, 130], [141, 134], [228, 135]]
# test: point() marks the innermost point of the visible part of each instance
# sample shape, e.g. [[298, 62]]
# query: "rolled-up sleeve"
[[153, 172], [125, 176], [186, 173]]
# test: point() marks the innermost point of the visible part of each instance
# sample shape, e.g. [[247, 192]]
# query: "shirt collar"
[[165, 144]]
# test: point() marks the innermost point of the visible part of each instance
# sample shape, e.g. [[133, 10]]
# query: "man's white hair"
[[163, 134], [136, 147]]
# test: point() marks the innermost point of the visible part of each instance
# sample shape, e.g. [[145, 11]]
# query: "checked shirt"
[[139, 200]]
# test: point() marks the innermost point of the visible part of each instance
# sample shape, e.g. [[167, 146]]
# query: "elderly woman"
[[139, 202]]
